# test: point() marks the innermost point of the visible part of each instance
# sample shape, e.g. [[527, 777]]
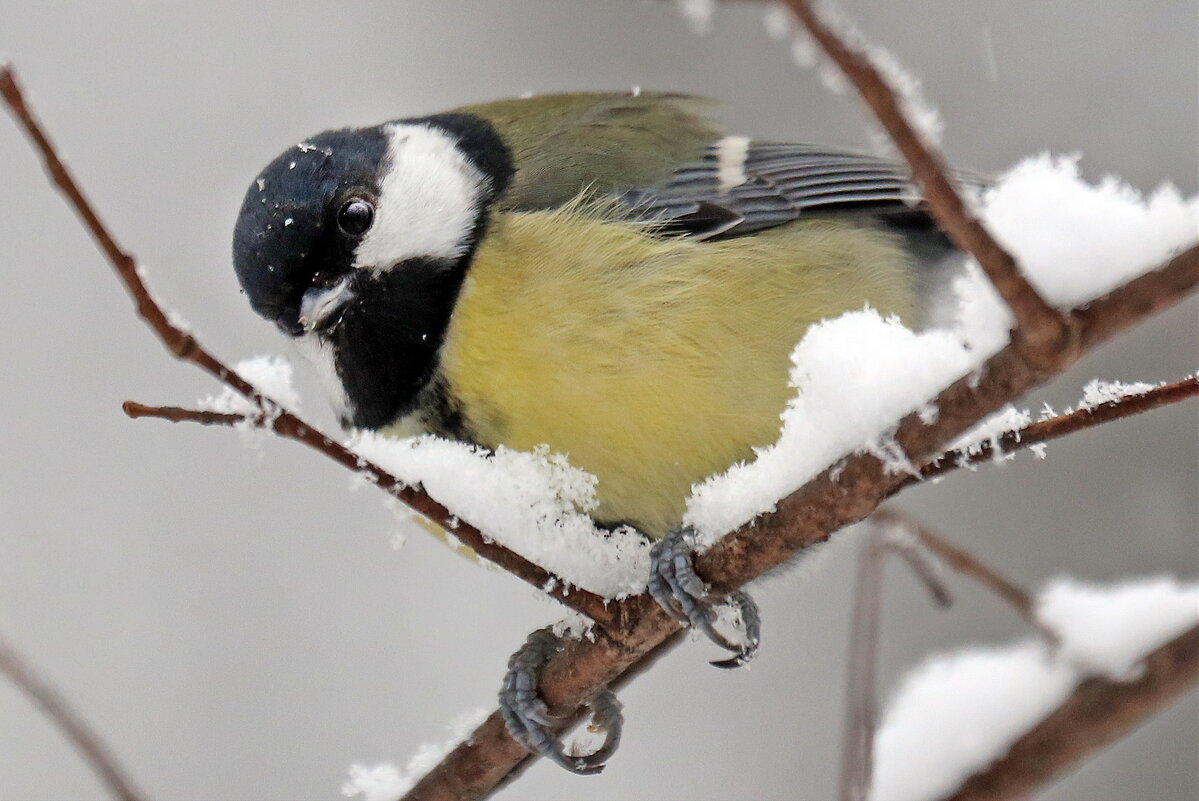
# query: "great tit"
[[604, 273]]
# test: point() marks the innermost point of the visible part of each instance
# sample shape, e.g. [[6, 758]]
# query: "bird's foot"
[[679, 590], [530, 722]]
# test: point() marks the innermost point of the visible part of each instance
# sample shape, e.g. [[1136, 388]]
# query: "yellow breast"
[[650, 362]]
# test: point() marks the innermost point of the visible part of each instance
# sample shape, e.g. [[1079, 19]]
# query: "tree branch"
[[962, 561], [178, 414], [1042, 333], [1098, 712], [843, 494], [290, 427], [1059, 426], [70, 723]]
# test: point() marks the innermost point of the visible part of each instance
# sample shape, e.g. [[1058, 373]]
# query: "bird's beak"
[[320, 306]]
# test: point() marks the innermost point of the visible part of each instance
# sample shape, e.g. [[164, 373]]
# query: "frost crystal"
[[988, 432], [1097, 392]]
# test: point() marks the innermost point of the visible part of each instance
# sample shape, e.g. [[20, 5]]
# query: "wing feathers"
[[781, 182]]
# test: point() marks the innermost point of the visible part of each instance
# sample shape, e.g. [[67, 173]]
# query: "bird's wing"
[[663, 158], [600, 143], [740, 186]]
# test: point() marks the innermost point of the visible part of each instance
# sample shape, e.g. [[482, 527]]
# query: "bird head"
[[358, 240]]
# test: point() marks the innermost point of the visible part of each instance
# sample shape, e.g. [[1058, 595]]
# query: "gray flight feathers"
[[779, 183]]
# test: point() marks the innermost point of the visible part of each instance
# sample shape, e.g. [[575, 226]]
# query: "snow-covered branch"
[[841, 495], [1097, 713], [852, 489], [631, 631], [1080, 419], [996, 722], [1041, 332]]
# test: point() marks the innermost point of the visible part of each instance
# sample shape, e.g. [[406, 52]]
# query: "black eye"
[[355, 216]]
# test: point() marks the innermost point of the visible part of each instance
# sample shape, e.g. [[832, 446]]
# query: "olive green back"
[[563, 144]]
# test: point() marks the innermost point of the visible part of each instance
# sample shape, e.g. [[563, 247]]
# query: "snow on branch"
[[838, 496], [851, 489], [916, 427], [995, 723], [1104, 408], [1041, 331]]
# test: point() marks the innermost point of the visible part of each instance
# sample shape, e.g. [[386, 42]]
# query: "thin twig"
[[899, 533], [185, 346], [1042, 332], [857, 748], [290, 427], [905, 544], [1097, 713], [178, 414], [1060, 426], [962, 561], [74, 728]]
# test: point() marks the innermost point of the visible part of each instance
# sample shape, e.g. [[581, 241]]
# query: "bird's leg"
[[530, 722], [679, 590]]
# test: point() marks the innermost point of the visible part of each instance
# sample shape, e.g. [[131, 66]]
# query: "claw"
[[679, 590], [530, 722]]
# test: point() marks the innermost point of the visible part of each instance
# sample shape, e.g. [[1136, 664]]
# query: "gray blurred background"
[[235, 620]]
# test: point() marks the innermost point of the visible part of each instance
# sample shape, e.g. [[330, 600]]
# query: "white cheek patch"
[[428, 200]]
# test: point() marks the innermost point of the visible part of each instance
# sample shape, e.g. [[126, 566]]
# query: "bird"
[[608, 274]]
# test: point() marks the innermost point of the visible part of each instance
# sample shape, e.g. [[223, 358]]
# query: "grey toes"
[[529, 721], [751, 623], [679, 590]]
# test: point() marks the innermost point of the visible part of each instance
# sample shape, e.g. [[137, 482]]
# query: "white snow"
[[533, 503], [1009, 419], [1105, 630], [858, 374], [1097, 393], [270, 375], [988, 432], [1078, 241], [923, 115], [855, 375], [382, 782], [958, 712], [805, 52], [386, 782]]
